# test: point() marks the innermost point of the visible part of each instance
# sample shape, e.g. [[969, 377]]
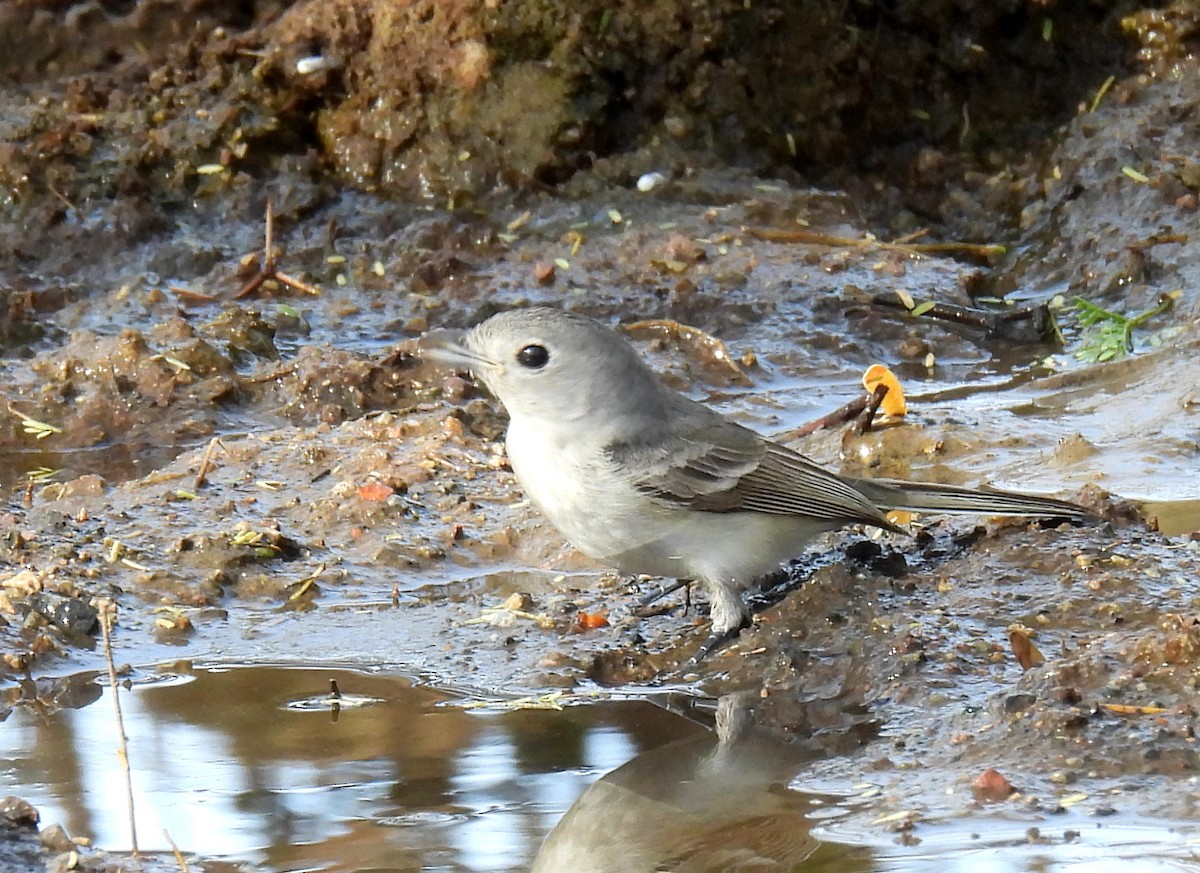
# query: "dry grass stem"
[[108, 615]]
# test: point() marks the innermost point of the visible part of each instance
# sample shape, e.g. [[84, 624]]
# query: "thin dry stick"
[[980, 251], [206, 463], [182, 861], [862, 423], [269, 269], [108, 612], [861, 410], [841, 415], [192, 296]]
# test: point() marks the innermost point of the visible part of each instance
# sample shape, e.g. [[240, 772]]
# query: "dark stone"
[[19, 812], [70, 614]]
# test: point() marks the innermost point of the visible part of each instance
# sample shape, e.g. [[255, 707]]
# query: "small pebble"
[[649, 181], [313, 64], [56, 839], [18, 811]]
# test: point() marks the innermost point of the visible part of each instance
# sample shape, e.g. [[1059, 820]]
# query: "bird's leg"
[[647, 600], [729, 617], [714, 642]]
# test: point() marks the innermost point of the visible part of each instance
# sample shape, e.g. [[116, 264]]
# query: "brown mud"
[[428, 164]]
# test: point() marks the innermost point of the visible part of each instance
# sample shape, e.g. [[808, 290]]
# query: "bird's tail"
[[891, 494]]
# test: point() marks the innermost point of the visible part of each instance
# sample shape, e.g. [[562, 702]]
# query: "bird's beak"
[[447, 346]]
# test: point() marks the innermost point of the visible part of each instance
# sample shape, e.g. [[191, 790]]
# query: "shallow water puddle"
[[258, 764], [268, 768]]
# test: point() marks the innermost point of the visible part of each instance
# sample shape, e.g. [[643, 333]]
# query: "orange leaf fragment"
[[1027, 653], [375, 491], [893, 402], [592, 620]]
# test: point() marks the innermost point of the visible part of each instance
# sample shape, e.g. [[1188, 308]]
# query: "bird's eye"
[[533, 356]]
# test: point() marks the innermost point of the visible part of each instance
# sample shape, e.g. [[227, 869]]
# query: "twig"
[[108, 612], [839, 416], [190, 295], [206, 463], [862, 423], [270, 268], [182, 861], [984, 252], [1026, 324], [861, 410], [335, 697]]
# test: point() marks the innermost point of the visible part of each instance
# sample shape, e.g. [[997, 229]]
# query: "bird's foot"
[[714, 642]]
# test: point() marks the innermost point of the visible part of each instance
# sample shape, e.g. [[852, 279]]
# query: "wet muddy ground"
[[272, 490]]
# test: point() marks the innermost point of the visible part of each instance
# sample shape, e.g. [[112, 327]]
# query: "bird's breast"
[[578, 488]]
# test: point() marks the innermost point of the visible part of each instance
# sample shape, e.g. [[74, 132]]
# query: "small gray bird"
[[647, 480]]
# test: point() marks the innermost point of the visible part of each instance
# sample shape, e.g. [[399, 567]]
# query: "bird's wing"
[[715, 465]]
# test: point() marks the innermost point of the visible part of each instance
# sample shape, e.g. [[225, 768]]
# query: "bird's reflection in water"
[[711, 803]]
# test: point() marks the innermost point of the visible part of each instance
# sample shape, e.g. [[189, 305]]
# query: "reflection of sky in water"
[[190, 780], [487, 781], [185, 780]]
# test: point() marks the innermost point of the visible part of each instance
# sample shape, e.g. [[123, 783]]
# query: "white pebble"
[[313, 64], [650, 181]]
